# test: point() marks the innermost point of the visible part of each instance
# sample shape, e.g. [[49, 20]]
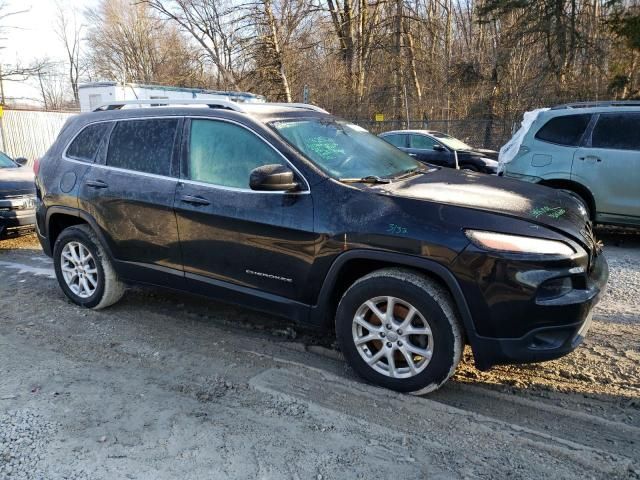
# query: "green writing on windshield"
[[324, 147], [552, 212]]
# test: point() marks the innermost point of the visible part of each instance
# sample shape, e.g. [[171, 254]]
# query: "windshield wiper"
[[410, 172], [367, 179]]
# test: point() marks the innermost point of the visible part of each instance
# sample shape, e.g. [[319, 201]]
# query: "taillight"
[[36, 166]]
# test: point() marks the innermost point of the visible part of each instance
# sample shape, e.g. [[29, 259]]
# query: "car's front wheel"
[[83, 269], [398, 329]]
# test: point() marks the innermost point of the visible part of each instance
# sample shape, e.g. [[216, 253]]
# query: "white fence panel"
[[29, 134]]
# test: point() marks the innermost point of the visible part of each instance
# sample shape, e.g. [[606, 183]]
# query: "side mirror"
[[21, 161], [273, 178], [439, 148]]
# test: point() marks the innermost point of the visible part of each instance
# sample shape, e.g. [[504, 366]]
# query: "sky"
[[30, 35]]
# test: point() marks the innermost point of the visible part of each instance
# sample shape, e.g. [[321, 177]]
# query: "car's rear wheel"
[[398, 329], [83, 269]]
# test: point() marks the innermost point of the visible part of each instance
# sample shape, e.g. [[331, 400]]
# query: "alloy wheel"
[[79, 269], [392, 337]]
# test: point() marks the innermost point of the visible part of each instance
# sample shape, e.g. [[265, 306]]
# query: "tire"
[[434, 311], [108, 288]]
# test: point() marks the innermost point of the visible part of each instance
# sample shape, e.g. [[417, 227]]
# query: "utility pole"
[[1, 86]]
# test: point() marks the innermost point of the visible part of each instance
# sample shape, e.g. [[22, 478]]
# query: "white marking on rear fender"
[[22, 268]]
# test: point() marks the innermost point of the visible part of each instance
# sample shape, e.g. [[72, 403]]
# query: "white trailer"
[[92, 95]]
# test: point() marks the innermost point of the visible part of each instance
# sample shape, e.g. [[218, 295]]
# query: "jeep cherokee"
[[287, 209]]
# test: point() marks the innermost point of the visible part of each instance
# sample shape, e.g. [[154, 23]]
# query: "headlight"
[[503, 242]]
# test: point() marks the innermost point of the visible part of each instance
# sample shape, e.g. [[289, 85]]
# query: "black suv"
[[289, 210]]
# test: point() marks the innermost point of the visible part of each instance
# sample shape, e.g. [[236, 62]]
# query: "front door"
[[427, 149], [610, 168], [234, 237]]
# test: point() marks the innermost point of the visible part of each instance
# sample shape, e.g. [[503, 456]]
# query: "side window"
[[422, 142], [565, 130], [617, 131], [224, 154], [143, 145], [396, 140], [85, 146]]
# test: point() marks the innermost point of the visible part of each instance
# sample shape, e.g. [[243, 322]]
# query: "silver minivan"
[[590, 149]]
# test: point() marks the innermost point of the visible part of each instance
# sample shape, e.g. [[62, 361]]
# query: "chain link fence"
[[477, 133]]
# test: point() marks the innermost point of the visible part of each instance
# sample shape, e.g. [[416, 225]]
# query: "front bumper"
[[517, 327], [16, 220]]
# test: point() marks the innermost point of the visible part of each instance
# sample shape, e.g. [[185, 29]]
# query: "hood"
[[475, 154], [16, 181], [544, 206], [492, 154]]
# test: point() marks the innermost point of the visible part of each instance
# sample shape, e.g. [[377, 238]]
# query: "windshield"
[[345, 150], [6, 162], [451, 142]]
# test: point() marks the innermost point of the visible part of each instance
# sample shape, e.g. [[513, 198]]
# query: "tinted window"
[[6, 162], [222, 153], [396, 140], [86, 144], [619, 131], [143, 145], [566, 130], [423, 142]]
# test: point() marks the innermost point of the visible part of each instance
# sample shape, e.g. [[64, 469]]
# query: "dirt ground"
[[164, 386]]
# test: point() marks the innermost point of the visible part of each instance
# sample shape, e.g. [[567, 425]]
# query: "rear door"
[[554, 145], [610, 165], [422, 148], [230, 233], [130, 195]]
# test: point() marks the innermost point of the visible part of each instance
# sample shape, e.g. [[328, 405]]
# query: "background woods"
[[434, 59]]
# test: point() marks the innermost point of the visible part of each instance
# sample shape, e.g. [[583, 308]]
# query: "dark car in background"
[[437, 148], [290, 210], [17, 196]]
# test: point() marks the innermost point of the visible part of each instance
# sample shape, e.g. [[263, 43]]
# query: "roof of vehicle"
[[591, 108], [263, 112], [428, 132], [599, 104]]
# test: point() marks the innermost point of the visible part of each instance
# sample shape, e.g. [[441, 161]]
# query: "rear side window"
[[395, 140], [143, 145], [423, 142], [86, 145], [617, 131], [566, 130]]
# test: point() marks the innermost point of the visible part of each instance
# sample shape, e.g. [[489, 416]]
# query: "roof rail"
[[610, 103], [211, 103], [305, 106]]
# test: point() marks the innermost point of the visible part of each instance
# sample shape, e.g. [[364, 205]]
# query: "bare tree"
[[69, 30], [129, 43], [52, 84], [354, 23], [218, 27]]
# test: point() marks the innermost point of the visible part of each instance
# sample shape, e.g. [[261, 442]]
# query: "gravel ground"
[[164, 386]]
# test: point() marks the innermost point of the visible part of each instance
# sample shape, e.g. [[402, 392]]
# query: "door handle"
[[194, 200], [96, 184], [591, 157], [413, 154]]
